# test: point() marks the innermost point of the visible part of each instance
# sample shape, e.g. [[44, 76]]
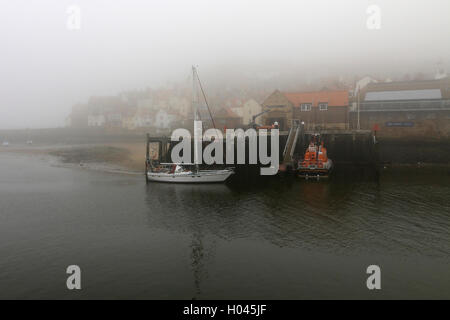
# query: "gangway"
[[291, 142]]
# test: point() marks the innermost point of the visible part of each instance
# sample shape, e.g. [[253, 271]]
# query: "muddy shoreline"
[[126, 157]]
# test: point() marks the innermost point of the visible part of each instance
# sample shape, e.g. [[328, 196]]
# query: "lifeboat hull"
[[316, 171]]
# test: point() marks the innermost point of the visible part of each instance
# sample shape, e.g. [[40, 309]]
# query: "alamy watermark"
[[73, 21], [374, 280], [374, 19], [213, 152], [73, 282]]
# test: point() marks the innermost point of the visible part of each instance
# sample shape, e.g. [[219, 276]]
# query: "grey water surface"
[[273, 238]]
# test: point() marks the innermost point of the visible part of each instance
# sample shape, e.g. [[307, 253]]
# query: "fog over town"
[[46, 66], [215, 152]]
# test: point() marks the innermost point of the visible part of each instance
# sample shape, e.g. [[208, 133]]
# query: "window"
[[410, 116], [323, 106], [305, 107]]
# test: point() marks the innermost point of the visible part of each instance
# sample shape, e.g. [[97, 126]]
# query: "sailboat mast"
[[196, 118], [194, 94]]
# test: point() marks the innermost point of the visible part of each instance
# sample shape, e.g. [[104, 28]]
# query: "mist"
[[46, 67]]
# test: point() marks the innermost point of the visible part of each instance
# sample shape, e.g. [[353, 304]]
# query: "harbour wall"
[[342, 148], [414, 151]]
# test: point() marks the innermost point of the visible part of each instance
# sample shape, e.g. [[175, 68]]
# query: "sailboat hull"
[[207, 176]]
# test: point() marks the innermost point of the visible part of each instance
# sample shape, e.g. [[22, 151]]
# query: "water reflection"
[[352, 213], [197, 256], [189, 208], [259, 238], [353, 210]]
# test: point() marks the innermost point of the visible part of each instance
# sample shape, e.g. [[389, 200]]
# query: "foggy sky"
[[45, 68]]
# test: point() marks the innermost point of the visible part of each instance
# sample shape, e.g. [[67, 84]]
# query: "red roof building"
[[318, 109], [332, 98]]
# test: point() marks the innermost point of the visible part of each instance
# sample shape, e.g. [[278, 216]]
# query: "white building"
[[248, 110], [143, 121], [163, 119], [114, 119], [238, 111], [362, 83], [96, 120], [440, 72]]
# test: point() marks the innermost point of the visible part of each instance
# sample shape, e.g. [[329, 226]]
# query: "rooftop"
[[333, 98], [425, 94]]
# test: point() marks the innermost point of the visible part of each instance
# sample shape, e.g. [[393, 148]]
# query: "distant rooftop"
[[426, 94], [333, 98], [408, 90], [408, 85], [380, 83]]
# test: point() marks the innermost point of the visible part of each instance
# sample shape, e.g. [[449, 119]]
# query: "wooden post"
[[358, 121], [165, 141], [147, 157], [147, 151]]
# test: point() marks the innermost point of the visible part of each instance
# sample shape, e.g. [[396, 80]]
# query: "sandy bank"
[[129, 156]]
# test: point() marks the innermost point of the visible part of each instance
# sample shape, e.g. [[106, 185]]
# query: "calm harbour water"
[[270, 239]]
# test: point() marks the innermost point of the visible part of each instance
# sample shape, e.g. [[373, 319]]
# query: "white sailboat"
[[185, 172], [182, 174]]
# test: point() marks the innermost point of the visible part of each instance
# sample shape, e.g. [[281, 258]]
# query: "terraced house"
[[319, 109]]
